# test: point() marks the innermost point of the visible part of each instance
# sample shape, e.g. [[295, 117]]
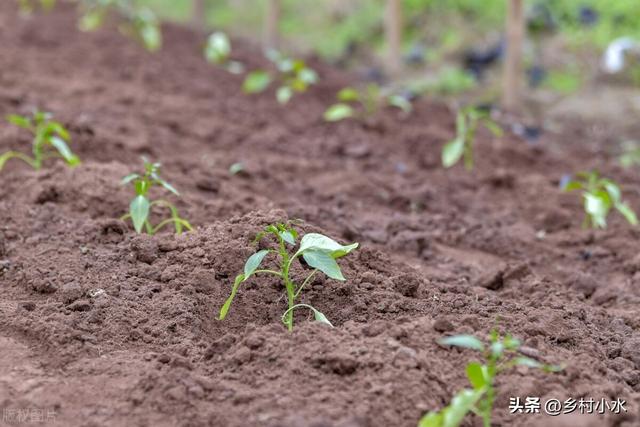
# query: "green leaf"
[[432, 419], [64, 151], [400, 102], [236, 168], [227, 304], [497, 349], [127, 179], [151, 36], [168, 186], [20, 121], [253, 262], [475, 374], [284, 94], [316, 241], [256, 81], [452, 152], [493, 127], [464, 341], [91, 20], [613, 190], [525, 361], [319, 317], [597, 207], [308, 76], [288, 237], [348, 95], [56, 127], [572, 185], [218, 48], [338, 112], [461, 404], [139, 211], [628, 213], [324, 262], [234, 67]]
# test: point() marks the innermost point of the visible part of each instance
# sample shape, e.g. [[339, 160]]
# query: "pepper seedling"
[[293, 75], [368, 102], [600, 195], [217, 51], [28, 6], [467, 121], [318, 252], [501, 354], [140, 207], [50, 140], [630, 154], [139, 23]]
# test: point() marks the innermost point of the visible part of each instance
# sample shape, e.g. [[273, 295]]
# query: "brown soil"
[[108, 328]]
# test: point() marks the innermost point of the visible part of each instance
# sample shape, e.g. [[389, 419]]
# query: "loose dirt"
[[99, 326]]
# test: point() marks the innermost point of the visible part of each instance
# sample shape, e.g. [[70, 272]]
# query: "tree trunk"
[[272, 24], [393, 30], [199, 14], [513, 71]]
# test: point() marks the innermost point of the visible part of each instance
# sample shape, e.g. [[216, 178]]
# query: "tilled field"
[[100, 326]]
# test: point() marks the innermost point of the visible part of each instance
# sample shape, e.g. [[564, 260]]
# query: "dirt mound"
[[104, 327]]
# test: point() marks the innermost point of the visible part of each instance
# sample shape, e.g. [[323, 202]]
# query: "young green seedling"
[[28, 6], [467, 121], [318, 251], [217, 51], [140, 206], [368, 102], [50, 140], [500, 355], [293, 76], [599, 196], [630, 154], [139, 23]]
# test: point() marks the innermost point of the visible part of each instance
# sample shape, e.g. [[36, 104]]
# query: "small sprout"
[[140, 207], [368, 102], [599, 195], [318, 251], [467, 121], [501, 354], [294, 76], [139, 23], [236, 168], [218, 50], [630, 154], [256, 82], [28, 6], [50, 140]]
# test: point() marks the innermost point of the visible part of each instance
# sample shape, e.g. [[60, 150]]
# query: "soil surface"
[[100, 326]]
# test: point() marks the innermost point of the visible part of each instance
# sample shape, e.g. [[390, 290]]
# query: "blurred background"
[[454, 48]]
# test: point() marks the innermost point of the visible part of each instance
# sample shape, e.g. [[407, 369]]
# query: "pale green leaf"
[[464, 341], [256, 81], [284, 94], [452, 152], [475, 374], [139, 211], [324, 262], [253, 262], [64, 151], [338, 112]]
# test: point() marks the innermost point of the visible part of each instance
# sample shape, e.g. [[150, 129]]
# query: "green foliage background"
[[328, 26]]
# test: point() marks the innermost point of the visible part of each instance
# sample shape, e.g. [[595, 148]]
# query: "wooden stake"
[[272, 24], [393, 30], [199, 14], [513, 70]]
